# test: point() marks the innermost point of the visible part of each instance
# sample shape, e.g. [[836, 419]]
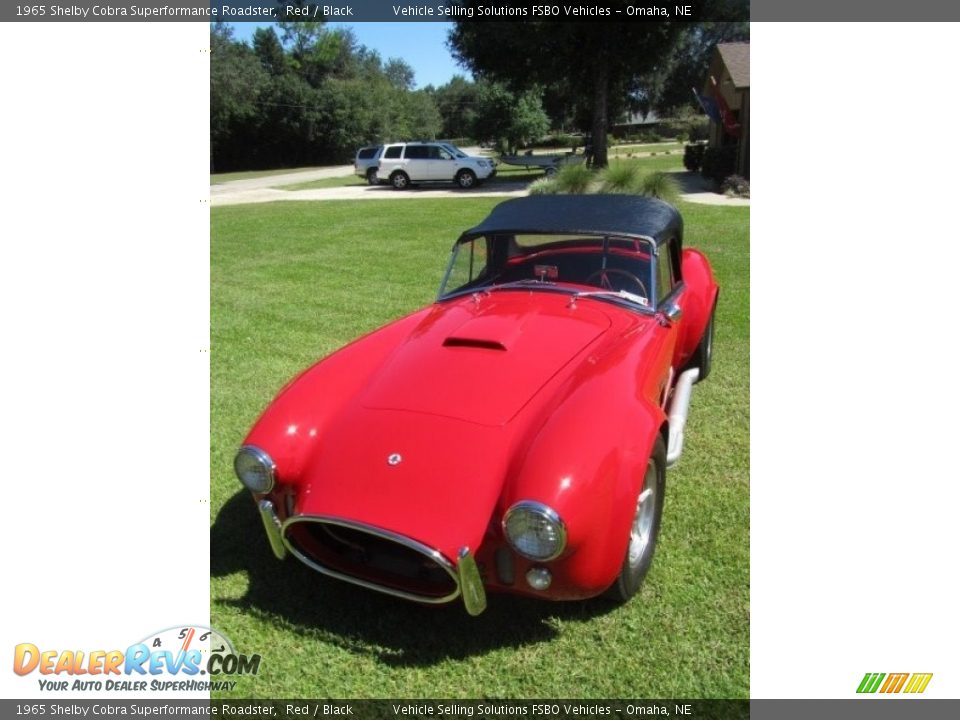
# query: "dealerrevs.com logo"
[[184, 658], [894, 682]]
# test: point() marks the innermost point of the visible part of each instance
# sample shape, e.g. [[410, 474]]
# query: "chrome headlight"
[[535, 530], [255, 469]]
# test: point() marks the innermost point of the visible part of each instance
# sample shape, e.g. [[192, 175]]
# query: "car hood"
[[421, 476], [425, 448], [480, 360]]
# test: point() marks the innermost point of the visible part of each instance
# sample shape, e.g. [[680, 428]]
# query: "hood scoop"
[[487, 332], [481, 343]]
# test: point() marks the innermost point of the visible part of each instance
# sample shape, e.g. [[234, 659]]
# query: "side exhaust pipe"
[[679, 407]]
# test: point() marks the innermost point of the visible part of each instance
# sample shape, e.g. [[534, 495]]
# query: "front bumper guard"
[[468, 574]]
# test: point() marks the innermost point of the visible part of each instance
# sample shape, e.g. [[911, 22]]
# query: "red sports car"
[[513, 436]]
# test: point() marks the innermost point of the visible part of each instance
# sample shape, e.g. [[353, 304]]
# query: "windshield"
[[454, 150], [603, 266]]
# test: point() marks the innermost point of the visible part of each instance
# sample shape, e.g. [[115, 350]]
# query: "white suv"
[[404, 163], [365, 164]]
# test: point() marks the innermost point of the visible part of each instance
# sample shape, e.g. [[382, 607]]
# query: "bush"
[[573, 179], [699, 130], [542, 186], [736, 186], [693, 157], [696, 127], [660, 185], [620, 177], [718, 163]]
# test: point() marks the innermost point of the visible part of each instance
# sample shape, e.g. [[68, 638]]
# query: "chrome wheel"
[[644, 520], [644, 528]]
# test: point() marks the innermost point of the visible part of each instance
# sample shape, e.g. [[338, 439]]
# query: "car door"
[[671, 291], [417, 162], [443, 163]]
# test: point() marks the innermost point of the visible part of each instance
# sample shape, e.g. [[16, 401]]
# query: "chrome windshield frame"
[[548, 286]]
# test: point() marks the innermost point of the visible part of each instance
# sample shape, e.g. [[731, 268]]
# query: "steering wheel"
[[604, 281]]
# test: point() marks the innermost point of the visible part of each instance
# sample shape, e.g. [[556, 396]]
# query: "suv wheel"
[[400, 181], [372, 176], [466, 179]]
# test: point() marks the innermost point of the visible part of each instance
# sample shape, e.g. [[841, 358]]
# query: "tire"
[[400, 180], [644, 529], [703, 357], [551, 171], [372, 178], [465, 179]]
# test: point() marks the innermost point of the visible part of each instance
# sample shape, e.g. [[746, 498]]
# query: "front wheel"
[[644, 528], [466, 179], [703, 358]]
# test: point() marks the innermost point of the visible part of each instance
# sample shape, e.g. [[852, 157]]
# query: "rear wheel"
[[372, 176], [645, 527], [400, 180], [466, 179]]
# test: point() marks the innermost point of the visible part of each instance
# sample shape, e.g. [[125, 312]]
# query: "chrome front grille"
[[372, 557]]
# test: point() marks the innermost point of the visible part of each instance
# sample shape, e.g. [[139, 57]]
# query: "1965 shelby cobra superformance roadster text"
[[513, 436]]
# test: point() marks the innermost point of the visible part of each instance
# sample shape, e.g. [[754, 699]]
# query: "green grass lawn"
[[653, 163], [648, 148], [291, 282]]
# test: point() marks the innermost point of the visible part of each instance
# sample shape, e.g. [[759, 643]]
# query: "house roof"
[[629, 215], [736, 58]]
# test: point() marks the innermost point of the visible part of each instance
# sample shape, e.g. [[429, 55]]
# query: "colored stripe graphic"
[[894, 682], [870, 682], [918, 682]]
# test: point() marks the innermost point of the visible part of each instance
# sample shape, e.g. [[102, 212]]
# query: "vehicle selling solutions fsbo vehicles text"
[[572, 11]]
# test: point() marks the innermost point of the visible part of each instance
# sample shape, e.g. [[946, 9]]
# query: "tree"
[[312, 97], [457, 102], [509, 119], [267, 46], [687, 67], [399, 73], [601, 63], [235, 79]]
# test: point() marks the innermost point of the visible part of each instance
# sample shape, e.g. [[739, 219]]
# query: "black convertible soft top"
[[624, 215]]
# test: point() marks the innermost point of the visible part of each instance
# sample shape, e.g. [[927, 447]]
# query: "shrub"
[[693, 157], [542, 186], [660, 185], [699, 130], [574, 179], [736, 186], [693, 128], [620, 177], [718, 163]]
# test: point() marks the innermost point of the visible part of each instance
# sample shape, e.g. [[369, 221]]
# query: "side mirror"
[[670, 314]]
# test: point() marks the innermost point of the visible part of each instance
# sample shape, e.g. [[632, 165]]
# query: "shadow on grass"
[[397, 632]]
